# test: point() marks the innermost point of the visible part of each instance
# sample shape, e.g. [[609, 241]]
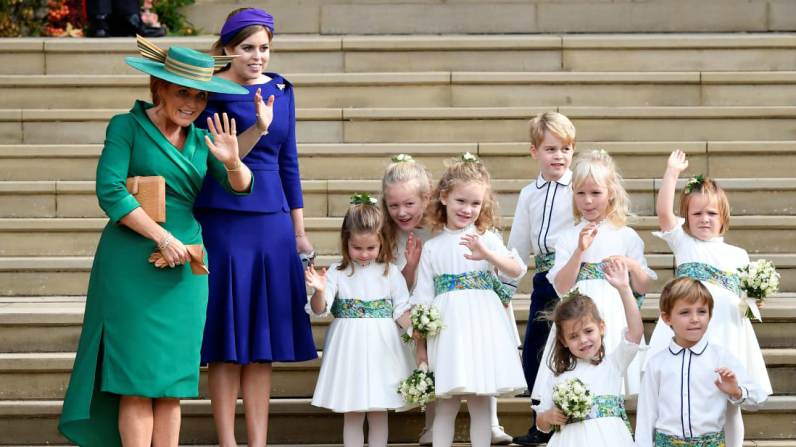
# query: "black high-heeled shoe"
[[132, 25]]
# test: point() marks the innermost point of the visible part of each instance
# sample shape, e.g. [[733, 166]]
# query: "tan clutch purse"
[[150, 192]]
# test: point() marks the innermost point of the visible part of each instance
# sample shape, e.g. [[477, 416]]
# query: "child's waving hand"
[[587, 235], [413, 248], [616, 274], [477, 249], [677, 162], [728, 383], [314, 280]]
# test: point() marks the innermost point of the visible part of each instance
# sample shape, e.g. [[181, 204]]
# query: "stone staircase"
[[365, 92]]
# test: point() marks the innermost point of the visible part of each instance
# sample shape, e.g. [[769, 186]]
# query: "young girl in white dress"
[[580, 352], [601, 207], [475, 356], [700, 253], [364, 359], [405, 192]]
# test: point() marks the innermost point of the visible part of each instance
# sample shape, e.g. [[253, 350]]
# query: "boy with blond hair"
[[685, 388], [544, 212]]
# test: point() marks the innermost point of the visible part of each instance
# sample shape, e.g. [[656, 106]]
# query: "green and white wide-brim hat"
[[184, 66]]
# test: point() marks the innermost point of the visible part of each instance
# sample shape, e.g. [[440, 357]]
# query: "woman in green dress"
[[142, 331]]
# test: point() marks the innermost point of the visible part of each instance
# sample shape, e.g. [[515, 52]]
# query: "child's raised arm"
[[616, 274], [413, 249], [674, 167]]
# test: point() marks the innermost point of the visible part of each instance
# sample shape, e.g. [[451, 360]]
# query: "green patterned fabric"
[[353, 308], [544, 262], [475, 280], [607, 406], [708, 273], [708, 440]]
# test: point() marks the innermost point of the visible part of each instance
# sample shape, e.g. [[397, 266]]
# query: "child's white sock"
[[733, 426], [493, 411], [445, 420], [480, 421], [353, 433], [377, 429]]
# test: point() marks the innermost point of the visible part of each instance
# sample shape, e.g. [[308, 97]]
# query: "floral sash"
[[708, 273], [594, 270], [353, 308], [708, 440], [544, 262], [475, 280], [607, 406]]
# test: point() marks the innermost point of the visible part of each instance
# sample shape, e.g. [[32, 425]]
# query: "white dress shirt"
[[544, 212], [679, 397]]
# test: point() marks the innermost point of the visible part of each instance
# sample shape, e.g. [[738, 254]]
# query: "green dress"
[[142, 330]]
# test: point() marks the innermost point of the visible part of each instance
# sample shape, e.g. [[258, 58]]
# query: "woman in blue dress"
[[255, 313]]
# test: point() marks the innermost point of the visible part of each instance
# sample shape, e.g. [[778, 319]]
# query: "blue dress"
[[255, 311]]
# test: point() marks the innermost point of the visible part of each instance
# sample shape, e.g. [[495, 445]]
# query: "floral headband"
[[599, 153], [403, 158], [363, 199], [467, 157], [571, 294], [694, 183]]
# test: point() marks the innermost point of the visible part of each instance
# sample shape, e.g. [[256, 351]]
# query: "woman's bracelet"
[[165, 242], [236, 169], [298, 235]]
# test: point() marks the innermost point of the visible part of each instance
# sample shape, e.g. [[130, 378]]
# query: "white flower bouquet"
[[572, 398], [425, 319], [418, 389], [758, 279]]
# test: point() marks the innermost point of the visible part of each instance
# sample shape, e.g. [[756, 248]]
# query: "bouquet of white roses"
[[758, 279], [572, 398], [418, 389], [425, 319]]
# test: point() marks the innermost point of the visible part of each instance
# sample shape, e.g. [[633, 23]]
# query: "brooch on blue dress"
[[280, 86]]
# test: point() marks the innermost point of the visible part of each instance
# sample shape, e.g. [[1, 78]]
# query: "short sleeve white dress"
[[476, 352], [728, 326], [607, 423], [364, 359], [610, 241]]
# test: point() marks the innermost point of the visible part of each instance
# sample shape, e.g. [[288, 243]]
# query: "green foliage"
[[170, 16], [20, 18]]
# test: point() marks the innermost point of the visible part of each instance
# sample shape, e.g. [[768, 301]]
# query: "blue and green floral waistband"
[[594, 270], [544, 262], [353, 308], [475, 280], [708, 273], [708, 440], [607, 406]]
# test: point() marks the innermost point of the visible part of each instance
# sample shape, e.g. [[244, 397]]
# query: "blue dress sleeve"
[[288, 161]]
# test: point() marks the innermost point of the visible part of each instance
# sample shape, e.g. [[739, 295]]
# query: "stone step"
[[35, 422], [439, 89], [450, 125], [507, 160], [513, 52], [37, 376], [52, 324], [518, 16], [330, 198], [79, 236]]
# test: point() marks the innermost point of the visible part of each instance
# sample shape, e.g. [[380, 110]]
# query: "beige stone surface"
[[79, 132], [678, 59], [319, 132], [72, 97], [428, 19], [11, 132], [751, 164], [458, 60], [781, 16], [294, 18], [55, 168], [34, 283], [581, 94], [433, 131], [78, 205], [685, 129], [748, 95], [15, 63], [646, 17], [374, 96], [39, 339], [27, 205]]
